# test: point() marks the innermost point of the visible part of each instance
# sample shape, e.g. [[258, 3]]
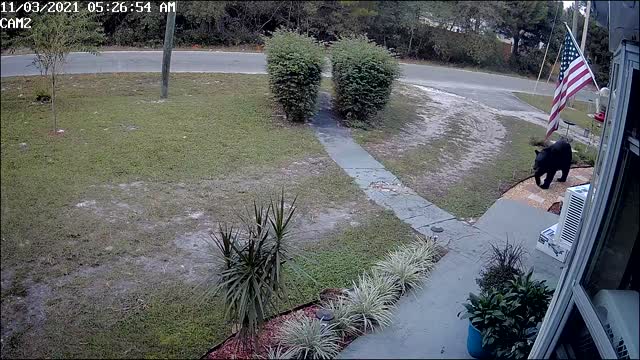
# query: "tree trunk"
[[574, 24], [166, 57], [585, 29], [53, 100], [516, 42], [410, 41]]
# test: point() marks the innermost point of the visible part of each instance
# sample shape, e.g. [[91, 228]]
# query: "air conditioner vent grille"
[[575, 199], [618, 344]]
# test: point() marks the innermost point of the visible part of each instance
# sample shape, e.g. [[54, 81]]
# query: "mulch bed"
[[232, 349], [267, 337], [556, 208]]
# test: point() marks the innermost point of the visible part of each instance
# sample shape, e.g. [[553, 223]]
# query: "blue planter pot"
[[474, 344]]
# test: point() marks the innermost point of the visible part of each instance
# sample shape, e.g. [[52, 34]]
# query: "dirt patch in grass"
[[105, 246], [457, 153], [450, 136], [151, 306], [138, 243]]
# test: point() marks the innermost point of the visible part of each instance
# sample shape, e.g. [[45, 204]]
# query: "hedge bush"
[[363, 73], [294, 64]]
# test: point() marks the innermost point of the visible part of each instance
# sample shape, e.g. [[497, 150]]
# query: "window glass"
[[612, 279], [576, 341]]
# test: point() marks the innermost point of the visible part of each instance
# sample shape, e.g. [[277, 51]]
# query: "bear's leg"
[[548, 179], [565, 174]]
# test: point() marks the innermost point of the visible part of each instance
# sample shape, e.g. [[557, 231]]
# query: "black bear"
[[551, 159]]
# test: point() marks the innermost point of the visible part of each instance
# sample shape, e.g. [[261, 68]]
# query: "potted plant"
[[507, 318], [475, 308], [503, 263]]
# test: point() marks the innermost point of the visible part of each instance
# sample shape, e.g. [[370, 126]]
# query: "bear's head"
[[541, 165]]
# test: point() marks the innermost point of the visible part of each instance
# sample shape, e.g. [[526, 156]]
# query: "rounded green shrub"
[[363, 73], [294, 64]]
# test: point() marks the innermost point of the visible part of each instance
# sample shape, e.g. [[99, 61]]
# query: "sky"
[[567, 4]]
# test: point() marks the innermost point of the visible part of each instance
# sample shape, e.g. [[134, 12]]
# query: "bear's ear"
[[537, 152]]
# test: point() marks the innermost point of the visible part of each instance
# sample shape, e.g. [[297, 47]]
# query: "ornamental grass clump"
[[408, 265], [309, 338], [370, 301], [363, 74], [345, 322], [294, 65]]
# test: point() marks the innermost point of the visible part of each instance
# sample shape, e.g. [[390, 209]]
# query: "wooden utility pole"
[[586, 27], [574, 25], [574, 30], [166, 57]]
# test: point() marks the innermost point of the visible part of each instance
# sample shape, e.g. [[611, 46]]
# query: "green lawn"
[[92, 220], [577, 114], [213, 127]]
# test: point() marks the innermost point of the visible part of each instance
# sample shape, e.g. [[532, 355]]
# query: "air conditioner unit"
[[618, 313], [573, 204], [547, 245]]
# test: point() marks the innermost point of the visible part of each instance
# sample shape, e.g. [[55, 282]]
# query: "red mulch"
[[267, 337], [556, 208]]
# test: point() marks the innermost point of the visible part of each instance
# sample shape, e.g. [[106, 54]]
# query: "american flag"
[[574, 75]]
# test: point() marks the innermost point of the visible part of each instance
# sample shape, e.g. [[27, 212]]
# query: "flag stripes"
[[574, 75]]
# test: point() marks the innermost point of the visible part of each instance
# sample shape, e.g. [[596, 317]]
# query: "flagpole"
[[555, 62], [547, 49], [582, 55]]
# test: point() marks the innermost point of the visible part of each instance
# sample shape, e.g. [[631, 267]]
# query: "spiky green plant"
[[370, 301], [280, 219], [251, 278], [309, 338]]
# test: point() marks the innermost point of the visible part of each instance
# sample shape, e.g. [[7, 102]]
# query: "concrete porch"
[[425, 323]]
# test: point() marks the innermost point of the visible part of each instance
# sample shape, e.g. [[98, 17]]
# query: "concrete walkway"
[[425, 322], [380, 185]]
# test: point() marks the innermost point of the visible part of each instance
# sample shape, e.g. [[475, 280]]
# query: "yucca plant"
[[309, 338], [251, 278], [370, 301], [280, 221]]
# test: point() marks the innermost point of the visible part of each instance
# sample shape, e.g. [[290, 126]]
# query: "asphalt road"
[[491, 89]]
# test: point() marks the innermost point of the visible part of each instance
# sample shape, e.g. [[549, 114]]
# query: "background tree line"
[[459, 32]]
